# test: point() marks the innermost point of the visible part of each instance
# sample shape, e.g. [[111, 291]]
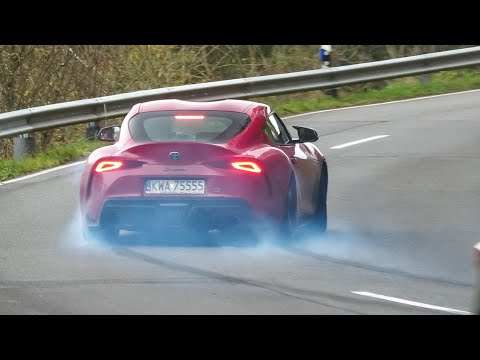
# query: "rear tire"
[[320, 220], [289, 222]]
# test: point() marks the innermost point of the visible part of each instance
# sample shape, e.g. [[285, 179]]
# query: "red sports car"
[[203, 166]]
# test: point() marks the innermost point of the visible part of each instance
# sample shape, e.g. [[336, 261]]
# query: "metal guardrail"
[[82, 111]]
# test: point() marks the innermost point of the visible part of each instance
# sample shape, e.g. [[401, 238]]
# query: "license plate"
[[174, 187]]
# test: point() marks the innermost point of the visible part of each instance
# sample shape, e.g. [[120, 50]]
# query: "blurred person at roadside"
[[476, 298]]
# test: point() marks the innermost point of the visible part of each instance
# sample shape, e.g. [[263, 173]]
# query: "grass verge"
[[58, 155]]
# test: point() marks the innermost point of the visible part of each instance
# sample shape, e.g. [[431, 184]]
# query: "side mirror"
[[306, 134], [109, 133]]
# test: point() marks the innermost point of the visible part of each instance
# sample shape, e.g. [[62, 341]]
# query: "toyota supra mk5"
[[204, 166]]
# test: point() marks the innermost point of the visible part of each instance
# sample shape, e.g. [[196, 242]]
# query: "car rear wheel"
[[289, 223], [320, 221]]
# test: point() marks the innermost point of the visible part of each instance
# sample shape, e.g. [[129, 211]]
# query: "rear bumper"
[[173, 212]]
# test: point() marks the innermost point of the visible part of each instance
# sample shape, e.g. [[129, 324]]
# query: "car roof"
[[176, 104]]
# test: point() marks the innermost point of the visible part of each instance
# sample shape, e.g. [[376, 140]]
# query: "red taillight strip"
[[249, 166], [108, 166]]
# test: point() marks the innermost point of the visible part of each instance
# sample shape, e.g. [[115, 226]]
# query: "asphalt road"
[[403, 217]]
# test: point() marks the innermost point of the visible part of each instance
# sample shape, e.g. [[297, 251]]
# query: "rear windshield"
[[214, 127]]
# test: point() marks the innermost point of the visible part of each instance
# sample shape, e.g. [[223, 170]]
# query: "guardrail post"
[[325, 58], [92, 130], [23, 146], [424, 78]]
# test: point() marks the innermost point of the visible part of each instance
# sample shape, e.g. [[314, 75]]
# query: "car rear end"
[[178, 171]]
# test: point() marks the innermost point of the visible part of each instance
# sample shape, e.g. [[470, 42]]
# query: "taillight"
[[108, 166], [249, 166]]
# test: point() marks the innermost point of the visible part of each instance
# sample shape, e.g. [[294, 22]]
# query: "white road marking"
[[413, 303], [42, 172], [358, 141], [383, 103]]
